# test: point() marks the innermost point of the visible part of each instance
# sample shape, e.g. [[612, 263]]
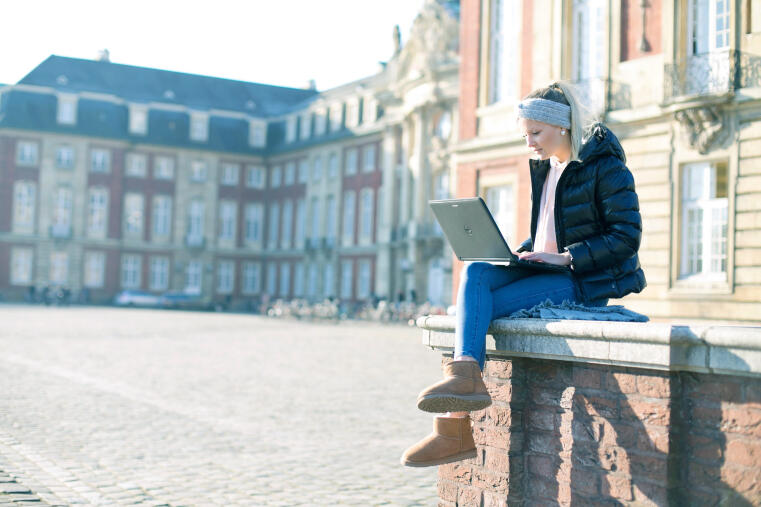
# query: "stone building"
[[679, 84], [119, 177]]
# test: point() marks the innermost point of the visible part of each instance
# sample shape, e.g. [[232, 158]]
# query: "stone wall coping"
[[704, 348]]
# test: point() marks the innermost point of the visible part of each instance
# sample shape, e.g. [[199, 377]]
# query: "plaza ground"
[[117, 406]]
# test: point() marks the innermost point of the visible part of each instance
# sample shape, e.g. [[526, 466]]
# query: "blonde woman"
[[585, 215]]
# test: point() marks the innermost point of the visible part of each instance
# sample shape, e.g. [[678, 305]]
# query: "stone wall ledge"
[[717, 349]]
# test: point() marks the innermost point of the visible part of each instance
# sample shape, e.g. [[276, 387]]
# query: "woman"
[[585, 215]]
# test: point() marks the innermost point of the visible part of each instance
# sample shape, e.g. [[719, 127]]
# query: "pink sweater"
[[545, 240]]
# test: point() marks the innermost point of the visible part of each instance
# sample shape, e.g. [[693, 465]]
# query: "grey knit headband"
[[545, 111]]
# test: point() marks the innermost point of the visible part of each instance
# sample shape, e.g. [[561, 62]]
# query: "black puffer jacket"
[[596, 217]]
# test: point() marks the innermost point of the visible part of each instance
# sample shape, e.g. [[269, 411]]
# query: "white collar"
[[557, 164]]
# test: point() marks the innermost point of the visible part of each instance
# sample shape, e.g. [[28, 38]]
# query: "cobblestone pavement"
[[112, 406]]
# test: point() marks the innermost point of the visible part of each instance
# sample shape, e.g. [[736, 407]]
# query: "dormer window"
[[67, 109], [290, 129], [199, 126], [320, 122], [369, 110], [306, 125], [336, 117], [257, 133], [352, 113], [138, 120]]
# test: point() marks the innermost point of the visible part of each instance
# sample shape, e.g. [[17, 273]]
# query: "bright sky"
[[282, 42]]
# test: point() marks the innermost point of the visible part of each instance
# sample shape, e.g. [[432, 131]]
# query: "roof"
[[143, 84]]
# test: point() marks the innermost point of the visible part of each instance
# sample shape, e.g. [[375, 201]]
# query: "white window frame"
[[317, 168], [254, 223], [331, 208], [252, 278], [196, 220], [161, 217], [352, 112], [229, 174], [364, 279], [369, 157], [273, 229], [138, 120], [290, 129], [276, 177], [366, 205], [163, 167], [22, 265], [225, 277], [347, 279], [272, 279], [199, 127], [303, 171], [194, 277], [24, 206], [255, 177], [133, 215], [257, 133], [352, 161], [299, 235], [97, 212], [286, 236], [100, 160], [320, 122], [67, 109], [336, 117], [63, 208], [316, 215], [369, 110], [284, 285], [199, 171], [228, 220], [158, 273], [503, 50], [333, 166], [305, 126], [329, 281], [64, 157], [94, 269], [131, 271], [501, 200], [349, 216], [298, 280], [312, 280], [289, 177], [27, 153], [136, 165]]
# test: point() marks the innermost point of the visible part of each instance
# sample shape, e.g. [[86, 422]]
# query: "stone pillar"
[[417, 277], [384, 270]]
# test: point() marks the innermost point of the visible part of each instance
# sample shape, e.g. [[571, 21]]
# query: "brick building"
[[119, 177], [678, 82]]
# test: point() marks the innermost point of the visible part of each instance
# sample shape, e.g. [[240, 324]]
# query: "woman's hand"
[[563, 259]]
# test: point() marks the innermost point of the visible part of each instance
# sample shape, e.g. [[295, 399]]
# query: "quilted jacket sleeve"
[[618, 209]]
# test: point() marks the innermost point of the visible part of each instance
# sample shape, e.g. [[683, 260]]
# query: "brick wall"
[[578, 434]]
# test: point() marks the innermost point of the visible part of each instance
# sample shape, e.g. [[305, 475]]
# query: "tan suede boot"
[[451, 440], [462, 390]]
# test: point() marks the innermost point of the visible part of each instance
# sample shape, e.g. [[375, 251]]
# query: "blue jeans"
[[488, 292]]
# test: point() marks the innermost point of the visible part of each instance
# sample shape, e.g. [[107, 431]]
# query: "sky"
[[280, 42]]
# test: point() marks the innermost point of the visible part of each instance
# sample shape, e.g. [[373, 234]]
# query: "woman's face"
[[545, 140]]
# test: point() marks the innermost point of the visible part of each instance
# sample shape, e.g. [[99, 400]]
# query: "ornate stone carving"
[[433, 39], [704, 126]]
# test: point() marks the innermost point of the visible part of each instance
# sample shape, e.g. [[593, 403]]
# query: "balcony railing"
[[712, 73], [195, 241], [60, 231]]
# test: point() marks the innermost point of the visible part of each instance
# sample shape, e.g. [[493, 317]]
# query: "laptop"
[[475, 236]]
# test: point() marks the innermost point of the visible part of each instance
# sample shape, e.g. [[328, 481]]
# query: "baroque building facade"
[[117, 177], [680, 85]]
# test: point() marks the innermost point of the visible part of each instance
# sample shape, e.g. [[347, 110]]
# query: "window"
[[298, 280], [138, 120], [100, 161], [503, 64], [290, 173], [349, 210], [254, 216], [317, 168], [229, 174], [303, 171], [271, 278], [501, 202], [131, 265], [255, 176], [60, 223], [290, 129], [228, 211], [336, 117], [164, 168], [704, 221], [329, 282], [162, 216], [285, 279], [59, 268], [24, 206], [320, 122], [306, 125], [363, 283], [333, 166], [97, 212], [369, 156], [27, 153], [133, 215], [198, 171], [366, 199], [301, 218], [277, 176], [196, 213], [199, 126], [330, 219], [347, 270], [136, 165], [252, 274], [64, 157], [314, 274], [158, 278], [369, 110], [257, 134], [588, 39], [67, 109], [225, 277], [21, 266], [709, 26], [316, 219], [352, 113], [274, 226], [193, 277], [285, 238], [94, 269], [352, 156]]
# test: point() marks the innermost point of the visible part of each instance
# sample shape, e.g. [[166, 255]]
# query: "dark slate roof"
[[142, 84]]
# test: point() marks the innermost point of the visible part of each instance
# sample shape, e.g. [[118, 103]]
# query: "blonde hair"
[[582, 118]]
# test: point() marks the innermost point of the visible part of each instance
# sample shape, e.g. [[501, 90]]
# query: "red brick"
[[498, 437], [541, 420], [587, 484], [548, 373], [447, 491], [651, 467], [746, 481], [617, 486], [650, 494], [625, 383], [456, 472], [499, 369], [502, 416], [703, 475], [542, 488], [753, 394], [725, 390], [469, 497], [494, 500], [740, 419], [706, 416], [500, 392], [542, 465], [597, 406], [587, 377], [654, 387], [497, 461], [543, 442], [485, 480], [743, 452], [648, 412], [615, 459], [706, 448]]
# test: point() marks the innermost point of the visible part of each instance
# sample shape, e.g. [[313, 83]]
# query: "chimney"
[[312, 85], [104, 55]]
